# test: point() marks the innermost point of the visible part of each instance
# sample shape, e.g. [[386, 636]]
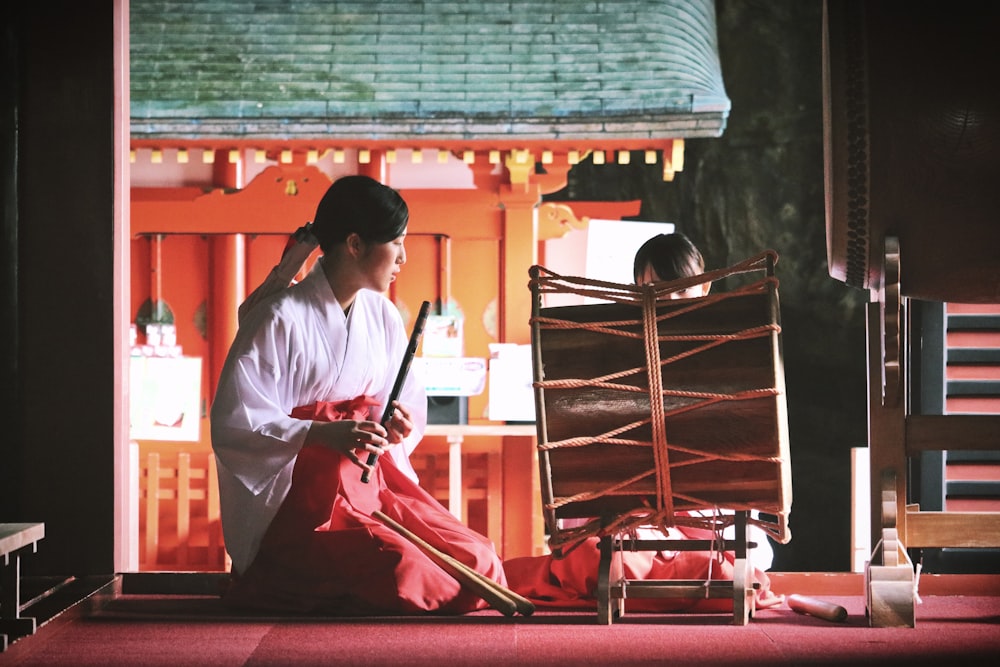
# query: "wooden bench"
[[15, 539]]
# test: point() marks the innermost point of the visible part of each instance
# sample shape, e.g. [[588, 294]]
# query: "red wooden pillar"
[[227, 259], [227, 289]]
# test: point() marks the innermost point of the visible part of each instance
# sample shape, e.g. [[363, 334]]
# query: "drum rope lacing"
[[649, 296]]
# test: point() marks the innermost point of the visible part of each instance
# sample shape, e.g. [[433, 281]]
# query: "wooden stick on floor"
[[504, 600], [818, 608]]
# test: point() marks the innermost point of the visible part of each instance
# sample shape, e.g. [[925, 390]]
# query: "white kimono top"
[[292, 350]]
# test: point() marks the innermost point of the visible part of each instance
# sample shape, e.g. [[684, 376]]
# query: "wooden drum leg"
[[889, 594], [604, 613], [743, 593]]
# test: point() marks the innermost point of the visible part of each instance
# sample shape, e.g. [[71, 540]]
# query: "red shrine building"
[[239, 117]]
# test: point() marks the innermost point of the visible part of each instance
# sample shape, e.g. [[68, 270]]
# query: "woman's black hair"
[[361, 205], [671, 256]]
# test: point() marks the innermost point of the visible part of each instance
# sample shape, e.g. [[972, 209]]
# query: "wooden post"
[[226, 293], [519, 252]]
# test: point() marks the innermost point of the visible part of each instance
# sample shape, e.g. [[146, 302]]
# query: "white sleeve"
[[252, 434]]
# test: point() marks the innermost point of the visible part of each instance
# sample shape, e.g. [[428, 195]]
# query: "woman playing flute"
[[296, 416]]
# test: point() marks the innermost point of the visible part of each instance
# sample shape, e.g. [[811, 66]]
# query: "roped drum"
[[650, 409]]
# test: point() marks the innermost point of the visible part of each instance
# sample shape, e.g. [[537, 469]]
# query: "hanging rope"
[[661, 453]]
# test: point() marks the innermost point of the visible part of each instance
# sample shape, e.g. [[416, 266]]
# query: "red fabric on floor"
[[324, 553], [571, 582]]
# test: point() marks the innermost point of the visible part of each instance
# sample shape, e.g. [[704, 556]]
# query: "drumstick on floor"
[[504, 600], [818, 608]]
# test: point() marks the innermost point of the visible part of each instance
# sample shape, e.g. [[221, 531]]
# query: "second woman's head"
[[668, 257]]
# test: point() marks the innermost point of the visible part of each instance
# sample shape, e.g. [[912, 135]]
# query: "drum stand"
[[613, 588]]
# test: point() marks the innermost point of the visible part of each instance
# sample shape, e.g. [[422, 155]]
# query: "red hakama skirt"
[[324, 553]]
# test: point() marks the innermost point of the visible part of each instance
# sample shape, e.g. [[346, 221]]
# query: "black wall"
[[56, 322]]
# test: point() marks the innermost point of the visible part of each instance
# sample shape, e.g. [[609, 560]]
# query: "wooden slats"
[[973, 308], [972, 405], [214, 515], [952, 529], [151, 473], [183, 508], [960, 450], [977, 372], [182, 528], [943, 432], [973, 338]]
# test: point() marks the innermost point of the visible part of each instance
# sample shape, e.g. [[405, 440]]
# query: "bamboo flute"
[[397, 387]]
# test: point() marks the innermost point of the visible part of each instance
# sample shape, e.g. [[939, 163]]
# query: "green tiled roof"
[[433, 69]]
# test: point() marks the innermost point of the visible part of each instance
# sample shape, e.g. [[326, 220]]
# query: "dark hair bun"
[[361, 205]]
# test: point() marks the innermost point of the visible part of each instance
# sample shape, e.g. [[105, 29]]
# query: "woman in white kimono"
[[295, 417]]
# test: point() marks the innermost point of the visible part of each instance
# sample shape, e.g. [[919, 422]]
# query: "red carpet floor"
[[138, 630]]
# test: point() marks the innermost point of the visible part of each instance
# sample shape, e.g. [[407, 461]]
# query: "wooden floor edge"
[[803, 583], [71, 602], [853, 583]]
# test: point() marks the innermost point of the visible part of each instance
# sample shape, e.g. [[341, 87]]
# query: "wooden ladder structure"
[[896, 436]]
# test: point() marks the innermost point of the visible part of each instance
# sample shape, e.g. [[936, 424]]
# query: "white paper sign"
[[165, 398]]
